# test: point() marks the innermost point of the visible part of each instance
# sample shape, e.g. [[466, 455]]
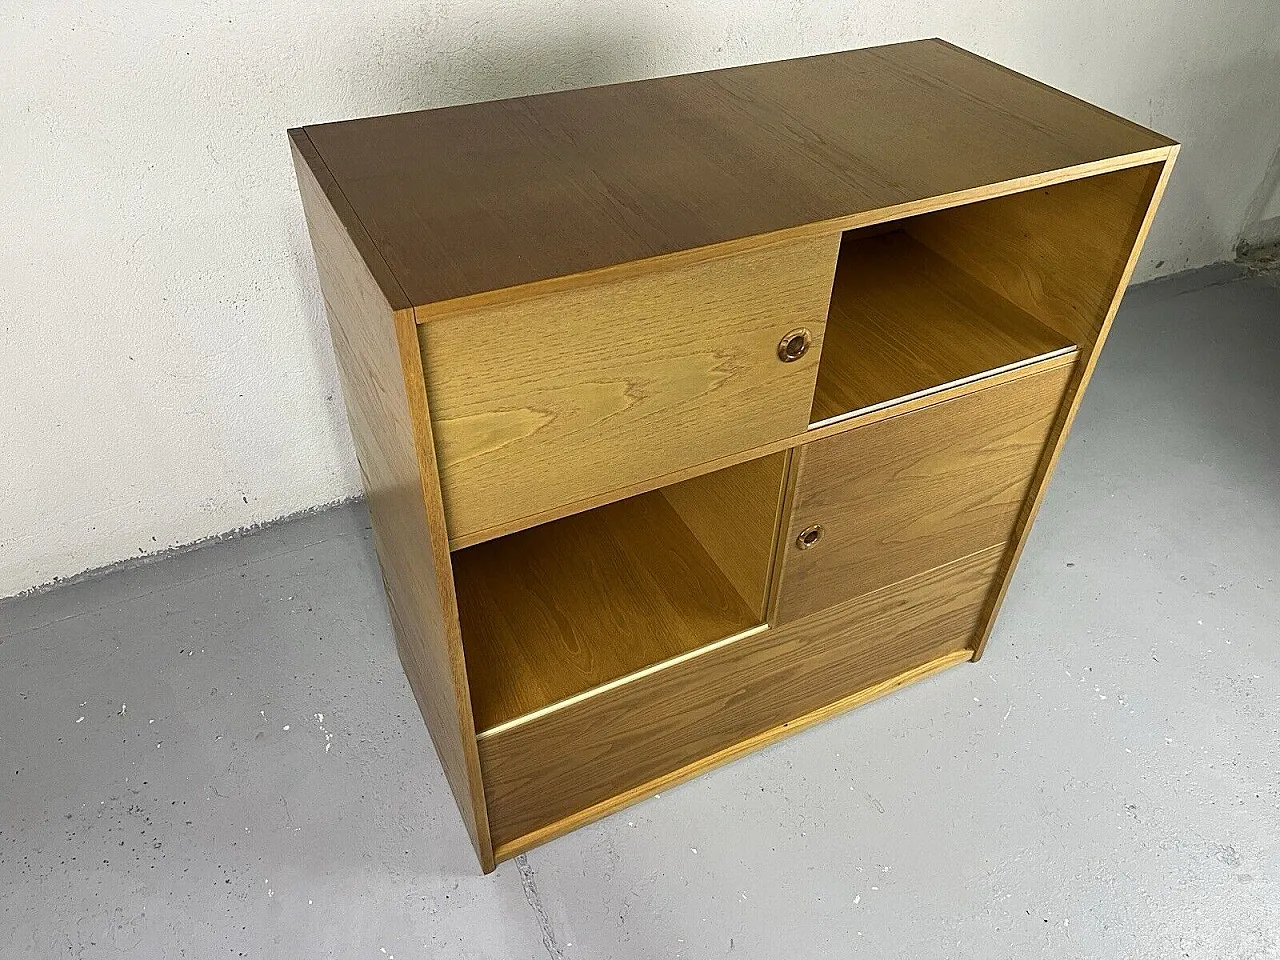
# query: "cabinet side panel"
[[1137, 219], [1059, 252], [381, 374]]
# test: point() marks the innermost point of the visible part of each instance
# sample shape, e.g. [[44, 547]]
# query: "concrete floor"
[[218, 756]]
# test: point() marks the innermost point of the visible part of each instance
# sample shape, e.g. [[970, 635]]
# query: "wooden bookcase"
[[695, 410]]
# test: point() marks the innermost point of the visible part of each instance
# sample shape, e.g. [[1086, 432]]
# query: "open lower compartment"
[[569, 607], [601, 752], [942, 299]]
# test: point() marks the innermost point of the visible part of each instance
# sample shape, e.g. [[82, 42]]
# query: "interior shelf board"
[[904, 321], [569, 606]]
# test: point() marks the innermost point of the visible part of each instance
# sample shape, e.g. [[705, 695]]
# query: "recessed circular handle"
[[794, 345], [809, 537]]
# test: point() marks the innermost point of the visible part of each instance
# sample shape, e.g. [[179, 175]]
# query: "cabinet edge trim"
[[975, 378], [626, 678]]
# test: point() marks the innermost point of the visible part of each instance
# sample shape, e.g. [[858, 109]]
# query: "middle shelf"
[[568, 606]]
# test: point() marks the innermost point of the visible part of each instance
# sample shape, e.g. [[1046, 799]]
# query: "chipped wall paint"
[[1261, 227], [164, 367]]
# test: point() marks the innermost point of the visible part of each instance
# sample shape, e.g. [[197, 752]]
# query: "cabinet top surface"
[[464, 200]]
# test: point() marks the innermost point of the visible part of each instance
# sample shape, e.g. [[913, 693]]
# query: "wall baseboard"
[[1260, 244], [130, 563]]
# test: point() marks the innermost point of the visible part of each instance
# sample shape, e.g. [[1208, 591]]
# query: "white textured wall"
[[164, 368]]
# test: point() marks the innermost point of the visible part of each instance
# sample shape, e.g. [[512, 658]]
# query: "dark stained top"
[[468, 199]]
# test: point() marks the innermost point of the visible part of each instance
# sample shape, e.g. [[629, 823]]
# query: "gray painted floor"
[[251, 779]]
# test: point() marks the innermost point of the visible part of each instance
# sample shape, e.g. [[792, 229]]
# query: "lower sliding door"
[[569, 765]]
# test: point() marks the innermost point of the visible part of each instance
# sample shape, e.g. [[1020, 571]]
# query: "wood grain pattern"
[[914, 491], [1148, 200], [378, 363], [482, 197], [567, 606], [570, 760], [742, 456], [735, 515], [727, 755], [1058, 253], [563, 397], [904, 321]]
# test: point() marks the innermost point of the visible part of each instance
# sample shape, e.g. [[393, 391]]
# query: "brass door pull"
[[809, 537], [794, 345]]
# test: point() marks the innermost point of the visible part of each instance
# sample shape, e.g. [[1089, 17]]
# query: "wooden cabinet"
[[695, 410]]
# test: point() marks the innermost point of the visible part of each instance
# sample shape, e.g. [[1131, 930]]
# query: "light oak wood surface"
[[571, 759], [557, 323], [727, 755], [872, 415], [567, 606], [735, 514], [464, 200], [382, 382], [904, 321], [580, 393], [914, 491], [1058, 253]]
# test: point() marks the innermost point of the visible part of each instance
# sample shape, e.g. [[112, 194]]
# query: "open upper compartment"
[[941, 299], [905, 321]]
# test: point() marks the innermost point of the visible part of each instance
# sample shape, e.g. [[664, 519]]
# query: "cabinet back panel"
[[555, 610], [905, 322], [734, 513], [1058, 252]]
